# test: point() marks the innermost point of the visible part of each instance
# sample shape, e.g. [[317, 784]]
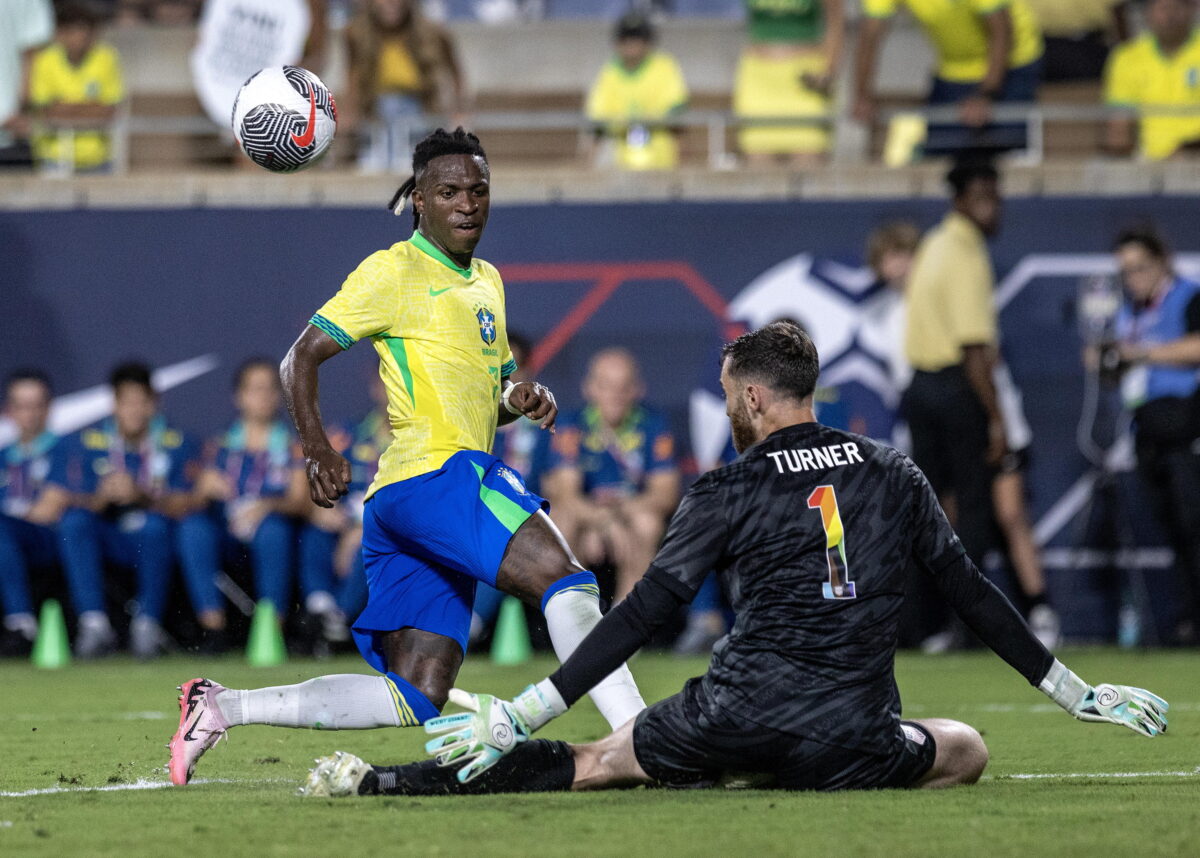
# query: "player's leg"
[[81, 548], [153, 559], [961, 754], [17, 541], [537, 766], [199, 540], [539, 568]]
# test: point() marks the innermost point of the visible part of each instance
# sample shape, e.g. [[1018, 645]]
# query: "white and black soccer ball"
[[284, 118]]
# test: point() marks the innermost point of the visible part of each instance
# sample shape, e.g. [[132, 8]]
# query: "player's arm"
[[992, 617], [976, 109], [51, 503], [694, 545], [872, 29], [328, 472], [978, 362]]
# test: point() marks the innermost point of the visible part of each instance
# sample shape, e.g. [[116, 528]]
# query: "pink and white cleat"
[[201, 725]]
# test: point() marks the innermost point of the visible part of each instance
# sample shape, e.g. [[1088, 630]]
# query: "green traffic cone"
[[51, 649], [510, 644], [265, 648]]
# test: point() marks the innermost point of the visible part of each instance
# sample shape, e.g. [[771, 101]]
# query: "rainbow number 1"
[[839, 585]]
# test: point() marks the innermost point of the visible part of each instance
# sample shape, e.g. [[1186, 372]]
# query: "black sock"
[[537, 766]]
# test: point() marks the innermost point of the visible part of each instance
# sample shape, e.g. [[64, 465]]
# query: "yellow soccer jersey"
[[443, 349], [96, 80], [619, 97], [957, 31], [1139, 75]]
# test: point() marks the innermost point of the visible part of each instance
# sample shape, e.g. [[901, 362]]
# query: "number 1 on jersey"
[[839, 585]]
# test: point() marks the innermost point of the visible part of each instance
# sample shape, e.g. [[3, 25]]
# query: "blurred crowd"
[[794, 78]]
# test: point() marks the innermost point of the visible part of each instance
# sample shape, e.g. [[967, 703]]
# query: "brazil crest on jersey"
[[440, 334]]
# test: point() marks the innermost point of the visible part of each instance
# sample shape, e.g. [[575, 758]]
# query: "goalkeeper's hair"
[[438, 143], [780, 356]]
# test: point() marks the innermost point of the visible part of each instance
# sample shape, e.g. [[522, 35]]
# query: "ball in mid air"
[[284, 118]]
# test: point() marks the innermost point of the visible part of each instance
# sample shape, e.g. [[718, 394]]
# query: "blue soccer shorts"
[[429, 539]]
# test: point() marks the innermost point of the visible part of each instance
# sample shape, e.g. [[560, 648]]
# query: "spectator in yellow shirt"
[[74, 87], [788, 68], [1158, 69], [988, 51], [634, 92]]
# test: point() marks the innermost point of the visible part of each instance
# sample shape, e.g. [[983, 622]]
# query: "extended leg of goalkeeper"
[[611, 763]]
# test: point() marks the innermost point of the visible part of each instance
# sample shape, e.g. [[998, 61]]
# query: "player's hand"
[[1135, 708], [534, 401], [328, 476], [475, 740], [975, 111]]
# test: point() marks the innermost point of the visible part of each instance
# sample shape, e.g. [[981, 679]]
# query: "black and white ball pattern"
[[284, 118]]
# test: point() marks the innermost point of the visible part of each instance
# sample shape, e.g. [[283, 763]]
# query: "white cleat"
[[335, 776]]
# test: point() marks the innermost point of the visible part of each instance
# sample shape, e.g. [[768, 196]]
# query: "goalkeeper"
[[810, 530]]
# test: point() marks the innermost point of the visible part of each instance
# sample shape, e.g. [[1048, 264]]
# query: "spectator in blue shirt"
[[611, 476], [121, 485], [249, 489], [27, 540]]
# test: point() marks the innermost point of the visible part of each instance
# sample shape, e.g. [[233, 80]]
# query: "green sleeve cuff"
[[508, 369], [334, 331]]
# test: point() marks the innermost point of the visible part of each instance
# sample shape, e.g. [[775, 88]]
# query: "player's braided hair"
[[438, 143]]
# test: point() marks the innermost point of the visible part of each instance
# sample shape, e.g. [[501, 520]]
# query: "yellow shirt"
[[949, 297], [440, 334], [958, 32], [620, 97], [1073, 17], [96, 80], [1139, 75], [396, 70]]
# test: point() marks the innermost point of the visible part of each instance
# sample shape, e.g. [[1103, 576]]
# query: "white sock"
[[344, 701], [570, 616]]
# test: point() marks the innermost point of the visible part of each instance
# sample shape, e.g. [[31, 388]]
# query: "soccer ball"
[[284, 118]]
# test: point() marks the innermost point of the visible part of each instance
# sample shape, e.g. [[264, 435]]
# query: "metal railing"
[[717, 125]]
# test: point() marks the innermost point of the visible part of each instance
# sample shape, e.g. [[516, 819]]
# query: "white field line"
[[1038, 776], [140, 784]]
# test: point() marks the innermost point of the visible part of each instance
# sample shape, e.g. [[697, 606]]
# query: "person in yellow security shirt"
[[75, 83], [1158, 69], [442, 513], [788, 68], [988, 51], [638, 88]]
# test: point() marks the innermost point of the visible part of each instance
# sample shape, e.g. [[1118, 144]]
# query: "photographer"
[[1158, 334]]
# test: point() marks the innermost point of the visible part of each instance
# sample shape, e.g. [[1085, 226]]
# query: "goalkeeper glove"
[[476, 740], [1135, 708]]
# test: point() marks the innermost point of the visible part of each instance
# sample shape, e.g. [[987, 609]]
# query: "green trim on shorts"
[[507, 511]]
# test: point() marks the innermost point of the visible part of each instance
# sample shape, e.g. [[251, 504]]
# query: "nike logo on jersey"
[[433, 293], [833, 456], [306, 138]]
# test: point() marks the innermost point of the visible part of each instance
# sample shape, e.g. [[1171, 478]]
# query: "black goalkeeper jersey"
[[811, 532]]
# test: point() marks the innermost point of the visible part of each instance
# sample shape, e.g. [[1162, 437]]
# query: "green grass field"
[[1054, 786]]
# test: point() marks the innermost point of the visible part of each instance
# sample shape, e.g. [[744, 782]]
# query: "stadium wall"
[[195, 291]]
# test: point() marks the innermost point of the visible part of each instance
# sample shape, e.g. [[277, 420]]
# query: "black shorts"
[[679, 746]]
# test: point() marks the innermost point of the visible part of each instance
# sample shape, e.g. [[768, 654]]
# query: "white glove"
[[475, 740], [1135, 708]]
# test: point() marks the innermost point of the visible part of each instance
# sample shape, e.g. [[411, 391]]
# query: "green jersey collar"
[[429, 249]]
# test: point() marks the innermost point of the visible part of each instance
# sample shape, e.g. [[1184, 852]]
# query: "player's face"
[[1170, 20], [133, 408], [1141, 271], [894, 266], [453, 200], [613, 386], [738, 412], [632, 51], [76, 39], [258, 395], [28, 406], [981, 203]]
